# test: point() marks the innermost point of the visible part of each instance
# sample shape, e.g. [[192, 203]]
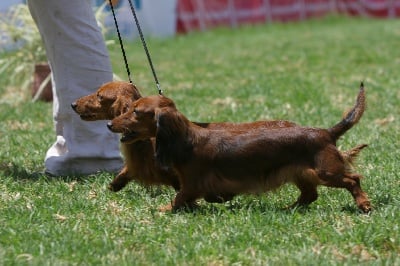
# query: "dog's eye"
[[99, 98]]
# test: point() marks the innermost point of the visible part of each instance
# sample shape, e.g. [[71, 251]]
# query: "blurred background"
[[164, 18]]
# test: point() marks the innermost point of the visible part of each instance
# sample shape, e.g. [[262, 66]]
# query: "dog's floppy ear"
[[119, 106], [172, 144], [135, 93]]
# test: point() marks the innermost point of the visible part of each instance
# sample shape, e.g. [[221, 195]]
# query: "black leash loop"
[[145, 47], [120, 42]]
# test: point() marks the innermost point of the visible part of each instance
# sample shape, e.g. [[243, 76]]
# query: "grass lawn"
[[307, 72]]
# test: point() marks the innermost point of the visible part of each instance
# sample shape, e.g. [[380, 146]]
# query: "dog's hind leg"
[[352, 183], [184, 200], [331, 169], [359, 195]]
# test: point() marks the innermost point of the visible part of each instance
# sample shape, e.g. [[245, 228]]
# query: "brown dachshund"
[[109, 101], [218, 164], [114, 98]]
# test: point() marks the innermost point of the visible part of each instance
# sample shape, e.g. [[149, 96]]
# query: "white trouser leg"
[[80, 64]]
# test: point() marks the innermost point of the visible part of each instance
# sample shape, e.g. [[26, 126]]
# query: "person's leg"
[[80, 64]]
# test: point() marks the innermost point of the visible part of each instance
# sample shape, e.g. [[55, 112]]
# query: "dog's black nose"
[[74, 105], [109, 125]]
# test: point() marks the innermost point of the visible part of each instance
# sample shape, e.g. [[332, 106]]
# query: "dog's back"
[[248, 159]]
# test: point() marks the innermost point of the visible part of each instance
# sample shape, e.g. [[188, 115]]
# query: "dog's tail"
[[351, 118]]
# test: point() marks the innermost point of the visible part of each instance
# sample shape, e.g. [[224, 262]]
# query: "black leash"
[[143, 43], [120, 42], [145, 47]]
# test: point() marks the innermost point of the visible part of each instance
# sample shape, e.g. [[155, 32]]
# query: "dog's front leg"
[[120, 181], [184, 200], [308, 191]]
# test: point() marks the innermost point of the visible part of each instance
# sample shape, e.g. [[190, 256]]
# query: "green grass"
[[307, 72]]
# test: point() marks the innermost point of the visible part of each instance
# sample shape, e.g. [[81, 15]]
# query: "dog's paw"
[[366, 207], [114, 187]]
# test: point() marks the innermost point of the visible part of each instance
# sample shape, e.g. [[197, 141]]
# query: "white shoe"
[[59, 162]]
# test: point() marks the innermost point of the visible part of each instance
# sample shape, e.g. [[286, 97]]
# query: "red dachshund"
[[110, 100], [218, 164], [114, 98]]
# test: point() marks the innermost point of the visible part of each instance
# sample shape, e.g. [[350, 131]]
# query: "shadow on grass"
[[236, 206], [350, 209], [18, 172], [151, 191], [381, 202]]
